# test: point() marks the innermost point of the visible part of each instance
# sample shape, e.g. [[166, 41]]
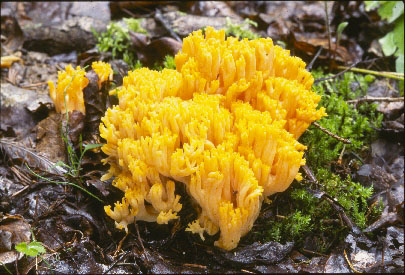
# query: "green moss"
[[240, 30], [169, 62], [355, 124], [116, 40]]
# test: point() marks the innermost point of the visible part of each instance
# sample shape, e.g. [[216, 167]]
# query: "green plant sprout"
[[117, 40], [241, 30], [169, 62], [32, 249]]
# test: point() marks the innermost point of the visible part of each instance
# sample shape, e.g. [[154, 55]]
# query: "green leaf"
[[340, 30], [385, 10], [91, 146], [397, 11], [399, 36], [388, 44], [32, 249], [399, 64], [371, 5]]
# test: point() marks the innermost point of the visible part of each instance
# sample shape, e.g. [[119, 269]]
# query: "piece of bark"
[[72, 34]]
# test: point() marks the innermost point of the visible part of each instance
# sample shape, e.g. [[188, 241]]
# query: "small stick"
[[309, 174], [393, 75], [120, 245], [115, 263], [159, 17], [20, 191], [309, 67], [314, 252], [329, 37], [338, 74], [34, 85], [349, 263], [196, 265], [372, 98], [139, 236], [341, 154], [331, 134]]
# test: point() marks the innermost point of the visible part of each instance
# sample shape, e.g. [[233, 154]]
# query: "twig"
[[120, 245], [34, 85], [372, 98], [331, 134], [159, 17], [139, 237], [333, 202], [309, 67], [341, 154], [393, 75], [339, 208], [349, 263], [195, 265], [338, 74], [329, 37], [20, 191], [309, 173], [114, 263], [314, 252]]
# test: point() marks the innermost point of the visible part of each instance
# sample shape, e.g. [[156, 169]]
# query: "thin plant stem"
[[5, 267], [393, 75], [329, 37], [66, 183]]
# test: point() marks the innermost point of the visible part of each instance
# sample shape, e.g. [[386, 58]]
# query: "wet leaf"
[[268, 253], [18, 106], [15, 151], [13, 230], [49, 139]]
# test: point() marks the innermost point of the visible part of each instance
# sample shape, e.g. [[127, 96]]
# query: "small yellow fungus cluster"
[[68, 96], [225, 124], [103, 70]]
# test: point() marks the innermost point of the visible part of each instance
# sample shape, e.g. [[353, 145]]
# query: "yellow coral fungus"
[[254, 71], [68, 96], [103, 70], [224, 124]]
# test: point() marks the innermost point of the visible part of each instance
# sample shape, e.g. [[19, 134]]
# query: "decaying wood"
[[74, 34]]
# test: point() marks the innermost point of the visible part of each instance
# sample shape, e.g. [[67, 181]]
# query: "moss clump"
[[343, 119], [299, 215], [168, 63], [241, 30], [117, 40]]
